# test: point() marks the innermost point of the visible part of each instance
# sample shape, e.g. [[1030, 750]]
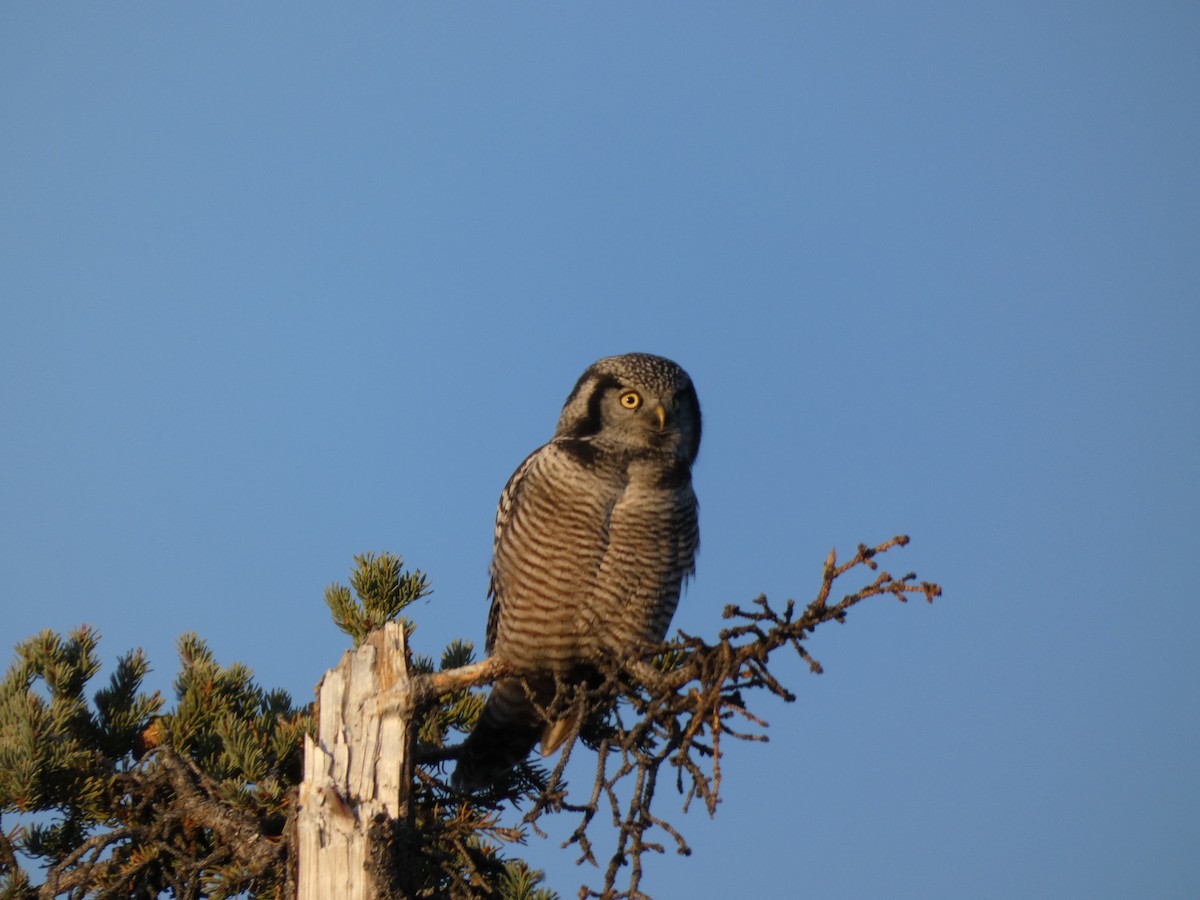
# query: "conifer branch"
[[685, 697]]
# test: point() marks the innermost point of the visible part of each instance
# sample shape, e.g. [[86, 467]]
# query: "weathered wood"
[[358, 768]]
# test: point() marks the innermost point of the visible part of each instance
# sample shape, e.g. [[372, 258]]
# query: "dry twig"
[[673, 706]]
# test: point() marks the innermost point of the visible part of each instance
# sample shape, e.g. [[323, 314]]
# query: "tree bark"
[[357, 772]]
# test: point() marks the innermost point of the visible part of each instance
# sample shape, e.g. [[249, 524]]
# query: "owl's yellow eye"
[[631, 399]]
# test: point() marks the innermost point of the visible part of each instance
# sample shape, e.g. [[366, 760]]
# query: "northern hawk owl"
[[596, 532]]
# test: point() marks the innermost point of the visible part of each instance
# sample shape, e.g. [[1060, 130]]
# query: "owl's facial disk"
[[640, 419], [634, 402]]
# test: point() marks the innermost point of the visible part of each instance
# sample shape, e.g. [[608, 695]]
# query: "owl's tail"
[[508, 728]]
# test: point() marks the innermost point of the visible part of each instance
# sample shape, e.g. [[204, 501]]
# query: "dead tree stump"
[[357, 772]]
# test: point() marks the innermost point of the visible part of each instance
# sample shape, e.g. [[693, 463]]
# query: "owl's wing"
[[551, 539], [504, 510]]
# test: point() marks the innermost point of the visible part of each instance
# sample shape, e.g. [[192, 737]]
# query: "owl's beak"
[[660, 413]]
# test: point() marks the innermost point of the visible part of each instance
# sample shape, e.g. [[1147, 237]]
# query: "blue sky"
[[281, 283]]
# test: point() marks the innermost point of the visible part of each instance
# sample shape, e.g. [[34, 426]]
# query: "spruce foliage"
[[383, 589], [113, 795], [132, 801]]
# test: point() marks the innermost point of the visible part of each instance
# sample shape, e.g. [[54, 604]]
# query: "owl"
[[596, 534]]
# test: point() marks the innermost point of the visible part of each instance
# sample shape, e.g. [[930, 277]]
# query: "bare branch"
[[685, 695]]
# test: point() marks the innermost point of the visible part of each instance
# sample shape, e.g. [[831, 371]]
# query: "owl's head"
[[636, 401]]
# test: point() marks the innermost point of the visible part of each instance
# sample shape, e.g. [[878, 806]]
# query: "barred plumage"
[[596, 533]]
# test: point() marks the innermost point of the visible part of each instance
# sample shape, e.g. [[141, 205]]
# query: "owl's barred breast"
[[591, 558]]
